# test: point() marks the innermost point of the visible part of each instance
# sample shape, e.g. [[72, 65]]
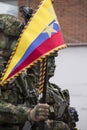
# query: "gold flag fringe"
[[29, 66]]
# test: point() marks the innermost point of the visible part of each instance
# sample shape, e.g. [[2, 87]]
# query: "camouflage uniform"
[[16, 97], [13, 112], [59, 101], [55, 98]]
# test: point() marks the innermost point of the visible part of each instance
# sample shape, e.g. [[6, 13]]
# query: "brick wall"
[[72, 15]]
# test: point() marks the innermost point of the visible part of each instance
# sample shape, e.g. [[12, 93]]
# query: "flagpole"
[[44, 80]]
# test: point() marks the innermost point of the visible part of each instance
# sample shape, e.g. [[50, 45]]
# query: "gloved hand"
[[39, 112]]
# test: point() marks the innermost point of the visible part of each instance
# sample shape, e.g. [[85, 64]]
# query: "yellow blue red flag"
[[41, 36]]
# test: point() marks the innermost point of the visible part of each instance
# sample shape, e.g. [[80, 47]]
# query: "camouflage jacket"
[[13, 111], [58, 101], [14, 104]]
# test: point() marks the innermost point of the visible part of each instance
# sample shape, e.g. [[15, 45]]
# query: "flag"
[[41, 36]]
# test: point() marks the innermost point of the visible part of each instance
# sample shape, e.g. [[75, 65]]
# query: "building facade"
[[72, 16]]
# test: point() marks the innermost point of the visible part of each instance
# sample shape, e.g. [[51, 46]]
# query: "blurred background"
[[71, 63]]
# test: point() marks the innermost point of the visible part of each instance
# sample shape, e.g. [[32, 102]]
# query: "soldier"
[[18, 98], [62, 115], [13, 109]]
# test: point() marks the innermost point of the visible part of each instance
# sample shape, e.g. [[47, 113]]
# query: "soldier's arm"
[[12, 114], [18, 114]]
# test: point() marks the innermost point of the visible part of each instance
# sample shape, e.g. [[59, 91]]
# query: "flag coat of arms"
[[41, 36]]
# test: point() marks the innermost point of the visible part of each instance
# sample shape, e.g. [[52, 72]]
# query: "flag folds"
[[41, 36]]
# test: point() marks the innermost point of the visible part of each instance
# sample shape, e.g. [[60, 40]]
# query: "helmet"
[[9, 25], [26, 12], [9, 32]]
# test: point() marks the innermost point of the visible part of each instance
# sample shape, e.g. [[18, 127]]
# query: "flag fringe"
[[32, 64]]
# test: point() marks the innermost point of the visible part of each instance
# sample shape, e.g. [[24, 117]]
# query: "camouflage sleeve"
[[13, 109], [12, 114], [14, 93]]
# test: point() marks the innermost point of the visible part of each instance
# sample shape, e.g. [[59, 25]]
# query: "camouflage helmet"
[[9, 25], [9, 33]]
